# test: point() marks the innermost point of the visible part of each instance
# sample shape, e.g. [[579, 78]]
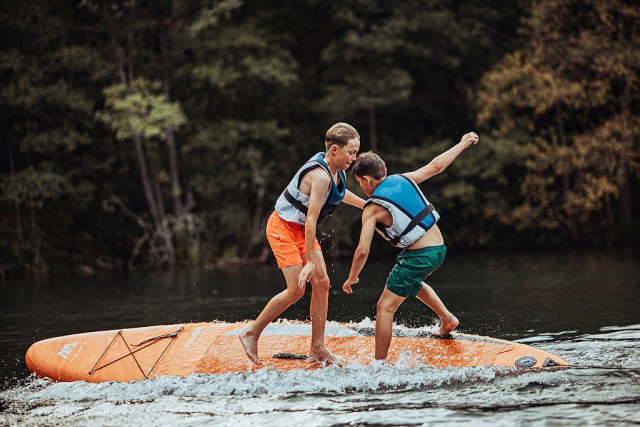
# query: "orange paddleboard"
[[149, 352]]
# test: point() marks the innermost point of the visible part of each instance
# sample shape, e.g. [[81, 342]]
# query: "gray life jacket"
[[293, 205]]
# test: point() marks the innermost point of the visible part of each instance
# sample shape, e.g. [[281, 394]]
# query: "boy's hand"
[[347, 285], [469, 139], [305, 274]]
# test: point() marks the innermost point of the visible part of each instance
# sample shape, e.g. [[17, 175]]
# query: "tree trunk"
[[36, 245], [153, 196], [146, 181], [256, 229], [610, 226], [162, 226], [170, 139], [625, 202], [15, 202], [373, 133], [572, 222], [116, 51], [628, 135], [176, 189]]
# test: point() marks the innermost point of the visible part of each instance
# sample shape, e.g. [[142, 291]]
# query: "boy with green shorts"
[[400, 212]]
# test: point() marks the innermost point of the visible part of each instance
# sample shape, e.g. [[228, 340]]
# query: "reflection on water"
[[582, 306]]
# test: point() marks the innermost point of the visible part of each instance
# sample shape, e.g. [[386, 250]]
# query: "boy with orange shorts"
[[315, 191]]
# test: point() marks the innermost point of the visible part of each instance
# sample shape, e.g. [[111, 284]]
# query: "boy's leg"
[[318, 310], [386, 308], [275, 307], [448, 321]]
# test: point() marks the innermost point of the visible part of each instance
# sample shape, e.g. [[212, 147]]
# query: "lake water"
[[583, 306]]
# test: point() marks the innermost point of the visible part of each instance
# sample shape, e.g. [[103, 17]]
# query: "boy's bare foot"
[[324, 356], [250, 344], [448, 324]]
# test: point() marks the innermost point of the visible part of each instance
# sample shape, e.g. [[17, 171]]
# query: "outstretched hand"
[[347, 285], [469, 139]]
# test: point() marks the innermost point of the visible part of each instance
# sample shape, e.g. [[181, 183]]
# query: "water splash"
[[406, 392], [406, 374]]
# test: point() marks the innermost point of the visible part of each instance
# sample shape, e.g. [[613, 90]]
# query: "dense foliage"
[[141, 133]]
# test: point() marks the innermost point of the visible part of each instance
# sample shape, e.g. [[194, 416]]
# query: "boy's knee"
[[322, 283], [295, 294], [384, 308]]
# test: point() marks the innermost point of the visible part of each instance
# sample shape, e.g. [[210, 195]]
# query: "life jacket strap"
[[295, 202], [326, 210], [414, 222]]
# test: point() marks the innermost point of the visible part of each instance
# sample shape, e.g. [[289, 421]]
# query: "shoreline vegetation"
[[104, 269], [158, 134]]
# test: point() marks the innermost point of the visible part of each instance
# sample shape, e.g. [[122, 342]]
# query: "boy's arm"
[[319, 184], [441, 162], [354, 200], [362, 251]]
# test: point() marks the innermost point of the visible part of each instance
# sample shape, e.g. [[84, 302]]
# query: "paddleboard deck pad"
[[214, 348]]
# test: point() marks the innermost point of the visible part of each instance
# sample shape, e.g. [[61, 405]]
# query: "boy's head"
[[340, 134], [343, 143], [369, 170]]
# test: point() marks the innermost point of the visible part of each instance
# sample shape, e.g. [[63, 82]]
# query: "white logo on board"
[[196, 336], [67, 349]]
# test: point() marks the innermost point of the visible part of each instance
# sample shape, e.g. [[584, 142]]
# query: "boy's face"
[[343, 157], [366, 183]]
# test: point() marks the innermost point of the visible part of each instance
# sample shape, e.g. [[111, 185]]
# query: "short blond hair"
[[340, 134]]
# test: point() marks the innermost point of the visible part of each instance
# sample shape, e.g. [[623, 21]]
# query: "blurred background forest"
[[159, 133]]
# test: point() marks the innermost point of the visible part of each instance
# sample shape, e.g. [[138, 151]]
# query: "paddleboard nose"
[[30, 358], [47, 358]]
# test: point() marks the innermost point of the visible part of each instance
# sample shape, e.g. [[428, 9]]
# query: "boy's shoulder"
[[372, 208], [318, 173]]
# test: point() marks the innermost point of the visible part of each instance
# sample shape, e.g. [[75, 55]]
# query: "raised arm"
[[441, 162], [354, 200]]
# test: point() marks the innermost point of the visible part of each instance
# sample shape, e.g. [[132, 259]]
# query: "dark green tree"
[[47, 102]]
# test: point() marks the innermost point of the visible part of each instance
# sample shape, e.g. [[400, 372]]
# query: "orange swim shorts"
[[287, 241]]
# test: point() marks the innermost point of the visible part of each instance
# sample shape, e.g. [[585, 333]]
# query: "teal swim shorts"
[[412, 267]]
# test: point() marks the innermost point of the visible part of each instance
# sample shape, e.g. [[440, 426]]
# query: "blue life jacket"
[[412, 213], [293, 205]]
